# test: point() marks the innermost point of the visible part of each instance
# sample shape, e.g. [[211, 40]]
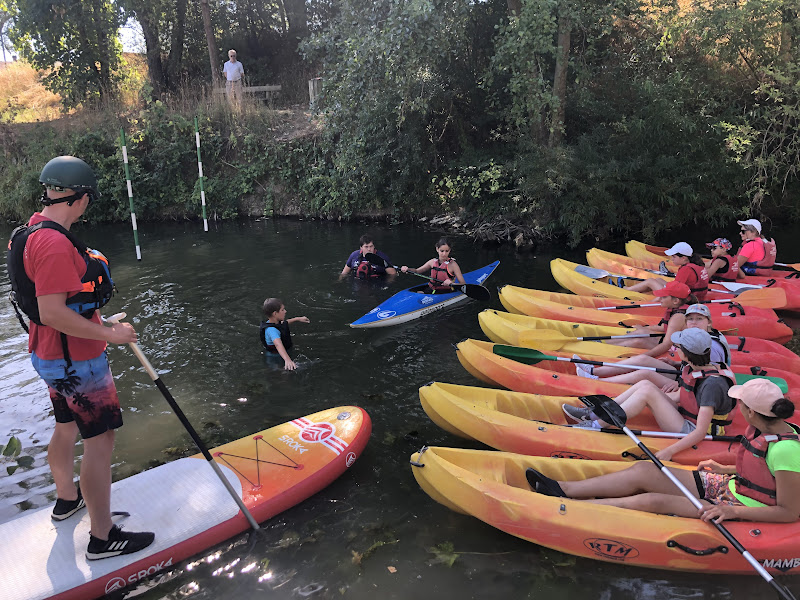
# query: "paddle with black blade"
[[531, 356], [611, 412], [473, 290], [187, 425]]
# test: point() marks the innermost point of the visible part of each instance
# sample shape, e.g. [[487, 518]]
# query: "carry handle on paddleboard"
[[186, 424], [611, 412]]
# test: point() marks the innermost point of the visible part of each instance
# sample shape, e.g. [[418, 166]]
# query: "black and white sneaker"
[[118, 542], [66, 508]]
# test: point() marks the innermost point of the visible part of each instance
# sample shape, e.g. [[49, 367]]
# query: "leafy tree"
[[74, 41], [400, 95]]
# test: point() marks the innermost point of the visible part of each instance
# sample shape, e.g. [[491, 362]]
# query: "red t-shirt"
[[56, 267]]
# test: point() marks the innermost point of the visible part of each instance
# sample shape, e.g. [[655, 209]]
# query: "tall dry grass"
[[23, 98]]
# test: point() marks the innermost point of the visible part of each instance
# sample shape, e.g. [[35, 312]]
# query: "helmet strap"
[[71, 199]]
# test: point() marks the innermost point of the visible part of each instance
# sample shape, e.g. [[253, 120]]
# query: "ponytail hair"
[[696, 260], [783, 408]]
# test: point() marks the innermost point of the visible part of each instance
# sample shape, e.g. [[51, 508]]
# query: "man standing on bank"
[[234, 71], [60, 284]]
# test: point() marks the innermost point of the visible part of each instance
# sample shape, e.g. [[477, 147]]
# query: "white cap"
[[680, 248], [753, 223]]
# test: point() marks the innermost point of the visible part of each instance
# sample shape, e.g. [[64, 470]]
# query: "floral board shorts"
[[85, 393], [713, 488]]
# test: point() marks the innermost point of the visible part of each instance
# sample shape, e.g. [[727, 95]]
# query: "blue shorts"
[[85, 393]]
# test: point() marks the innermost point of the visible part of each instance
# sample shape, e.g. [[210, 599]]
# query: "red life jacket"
[[668, 315], [366, 270], [731, 272], [700, 285], [770, 254], [440, 272], [687, 402], [753, 478]]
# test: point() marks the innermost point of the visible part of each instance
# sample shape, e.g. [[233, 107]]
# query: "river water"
[[195, 300]]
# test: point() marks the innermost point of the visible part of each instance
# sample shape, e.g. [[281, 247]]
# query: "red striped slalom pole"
[[200, 171], [130, 192]]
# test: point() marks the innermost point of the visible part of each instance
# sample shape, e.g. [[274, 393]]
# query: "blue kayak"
[[417, 302]]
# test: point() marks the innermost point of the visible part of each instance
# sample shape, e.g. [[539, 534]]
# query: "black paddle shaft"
[[182, 418], [473, 290]]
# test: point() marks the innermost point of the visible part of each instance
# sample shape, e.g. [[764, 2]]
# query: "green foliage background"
[[674, 113]]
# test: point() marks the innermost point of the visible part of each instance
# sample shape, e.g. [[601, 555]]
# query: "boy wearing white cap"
[[692, 272], [757, 252]]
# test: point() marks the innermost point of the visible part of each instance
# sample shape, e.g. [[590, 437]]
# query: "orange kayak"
[[533, 303], [559, 378], [532, 332], [535, 424], [491, 486], [624, 265]]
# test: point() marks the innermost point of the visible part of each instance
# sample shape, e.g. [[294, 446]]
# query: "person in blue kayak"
[[364, 269], [444, 269], [764, 485], [274, 333]]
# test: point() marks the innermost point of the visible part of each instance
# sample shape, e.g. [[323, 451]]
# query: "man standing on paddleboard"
[[60, 284]]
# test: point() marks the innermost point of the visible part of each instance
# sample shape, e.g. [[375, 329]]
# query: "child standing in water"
[[275, 335], [444, 269]]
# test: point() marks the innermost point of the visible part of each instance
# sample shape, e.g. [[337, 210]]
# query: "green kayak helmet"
[[68, 173]]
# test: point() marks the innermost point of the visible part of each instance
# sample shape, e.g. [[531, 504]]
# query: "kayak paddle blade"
[[606, 409], [526, 356]]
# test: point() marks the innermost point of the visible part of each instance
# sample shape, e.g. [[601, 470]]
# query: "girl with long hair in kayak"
[[692, 272], [763, 486], [698, 408], [672, 296], [697, 315], [722, 266], [756, 252], [444, 269]]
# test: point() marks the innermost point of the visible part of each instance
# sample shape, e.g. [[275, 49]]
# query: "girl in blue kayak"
[[274, 334], [444, 269]]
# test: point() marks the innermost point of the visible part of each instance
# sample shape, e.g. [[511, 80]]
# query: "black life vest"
[[98, 287], [283, 329]]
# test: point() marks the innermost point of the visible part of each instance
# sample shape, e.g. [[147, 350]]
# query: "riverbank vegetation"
[[570, 118]]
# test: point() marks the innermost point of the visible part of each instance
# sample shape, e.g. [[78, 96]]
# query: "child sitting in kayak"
[[723, 266], [692, 272], [698, 408], [763, 486], [444, 270], [672, 296], [697, 315], [757, 252], [274, 334]]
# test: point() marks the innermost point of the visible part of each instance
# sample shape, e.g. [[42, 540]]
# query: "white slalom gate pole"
[[200, 176], [130, 192]]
